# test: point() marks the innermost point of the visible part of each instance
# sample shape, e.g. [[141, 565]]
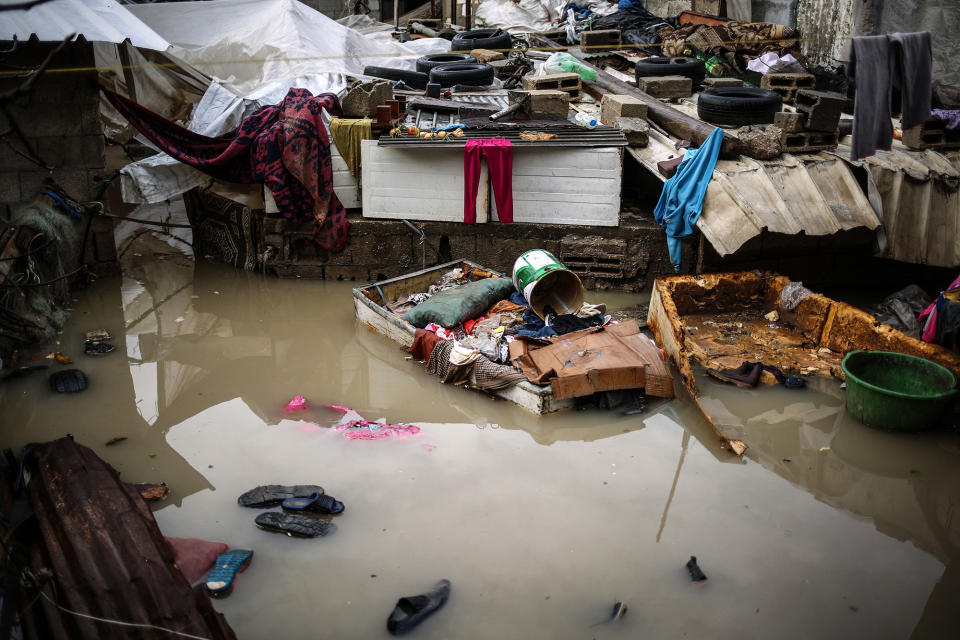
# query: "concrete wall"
[[60, 123]]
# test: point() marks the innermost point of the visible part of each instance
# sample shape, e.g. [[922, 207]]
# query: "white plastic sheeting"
[[95, 20], [259, 50], [533, 15], [246, 44]]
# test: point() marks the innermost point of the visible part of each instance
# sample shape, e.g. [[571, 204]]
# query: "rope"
[[139, 625], [200, 65], [44, 284]]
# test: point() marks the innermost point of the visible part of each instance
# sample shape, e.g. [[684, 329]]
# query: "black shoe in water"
[[413, 610], [270, 495]]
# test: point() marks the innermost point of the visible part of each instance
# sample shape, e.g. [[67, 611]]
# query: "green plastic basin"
[[896, 391]]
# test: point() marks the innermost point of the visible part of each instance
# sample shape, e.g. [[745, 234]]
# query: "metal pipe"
[[416, 27], [396, 14], [513, 108]]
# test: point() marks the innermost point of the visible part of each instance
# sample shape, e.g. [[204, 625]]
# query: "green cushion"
[[451, 307]]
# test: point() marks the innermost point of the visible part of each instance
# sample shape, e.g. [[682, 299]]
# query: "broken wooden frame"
[[810, 339]]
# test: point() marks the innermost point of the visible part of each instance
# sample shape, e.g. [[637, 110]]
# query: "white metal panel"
[[415, 184], [95, 20], [566, 186], [344, 184]]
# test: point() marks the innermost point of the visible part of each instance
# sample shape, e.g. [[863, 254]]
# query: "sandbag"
[[451, 307]]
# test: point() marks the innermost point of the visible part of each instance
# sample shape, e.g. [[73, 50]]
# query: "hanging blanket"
[[285, 146]]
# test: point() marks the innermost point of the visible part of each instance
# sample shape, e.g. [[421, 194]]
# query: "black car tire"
[[493, 39], [738, 105], [414, 79], [425, 64], [667, 66], [474, 74]]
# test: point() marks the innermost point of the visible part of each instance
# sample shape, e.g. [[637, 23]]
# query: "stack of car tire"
[[732, 106], [454, 68]]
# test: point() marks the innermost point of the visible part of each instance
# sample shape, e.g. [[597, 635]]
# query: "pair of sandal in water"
[[296, 500]]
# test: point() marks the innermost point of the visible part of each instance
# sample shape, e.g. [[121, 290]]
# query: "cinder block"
[[569, 82], [930, 134], [485, 55], [710, 82], [775, 81], [822, 108], [547, 102], [621, 106], [599, 39], [666, 86], [787, 84], [808, 141], [789, 121], [636, 131]]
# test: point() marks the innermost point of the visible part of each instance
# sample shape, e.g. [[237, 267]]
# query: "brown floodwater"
[[824, 529]]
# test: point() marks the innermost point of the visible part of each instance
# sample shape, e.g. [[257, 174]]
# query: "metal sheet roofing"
[[94, 20], [816, 194], [920, 192]]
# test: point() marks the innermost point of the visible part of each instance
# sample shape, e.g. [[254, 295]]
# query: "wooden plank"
[[566, 186]]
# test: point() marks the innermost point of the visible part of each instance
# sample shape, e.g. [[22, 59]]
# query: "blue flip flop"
[[316, 503], [220, 579]]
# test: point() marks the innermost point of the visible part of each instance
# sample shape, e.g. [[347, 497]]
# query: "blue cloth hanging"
[[682, 198]]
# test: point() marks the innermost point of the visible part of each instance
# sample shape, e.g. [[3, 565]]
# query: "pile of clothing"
[[941, 320], [734, 43], [476, 351]]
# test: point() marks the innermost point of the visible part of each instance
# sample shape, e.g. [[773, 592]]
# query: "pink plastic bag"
[[299, 403]]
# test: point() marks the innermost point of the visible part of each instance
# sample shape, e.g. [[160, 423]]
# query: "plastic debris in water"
[[299, 403], [370, 430], [695, 573]]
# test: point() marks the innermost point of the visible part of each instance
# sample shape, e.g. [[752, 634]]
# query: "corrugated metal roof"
[[95, 20], [921, 204], [816, 194]]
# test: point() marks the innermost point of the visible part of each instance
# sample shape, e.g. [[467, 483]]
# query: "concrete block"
[[569, 82], [822, 108], [787, 84], [361, 101], [600, 39], [666, 86], [808, 141], [789, 121], [775, 81], [486, 55], [927, 135], [621, 106], [710, 82], [636, 131], [547, 102]]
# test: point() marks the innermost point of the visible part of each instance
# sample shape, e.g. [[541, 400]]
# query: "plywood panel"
[[566, 186]]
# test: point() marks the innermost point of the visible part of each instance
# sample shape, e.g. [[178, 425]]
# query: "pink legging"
[[499, 154]]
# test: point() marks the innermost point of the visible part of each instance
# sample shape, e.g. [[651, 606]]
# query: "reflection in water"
[[541, 523]]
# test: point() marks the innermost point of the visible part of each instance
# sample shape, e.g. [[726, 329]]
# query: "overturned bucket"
[[545, 282]]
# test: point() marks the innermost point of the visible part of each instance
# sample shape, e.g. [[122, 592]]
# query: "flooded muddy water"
[[824, 529]]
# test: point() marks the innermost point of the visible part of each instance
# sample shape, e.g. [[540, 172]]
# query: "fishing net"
[[35, 287]]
